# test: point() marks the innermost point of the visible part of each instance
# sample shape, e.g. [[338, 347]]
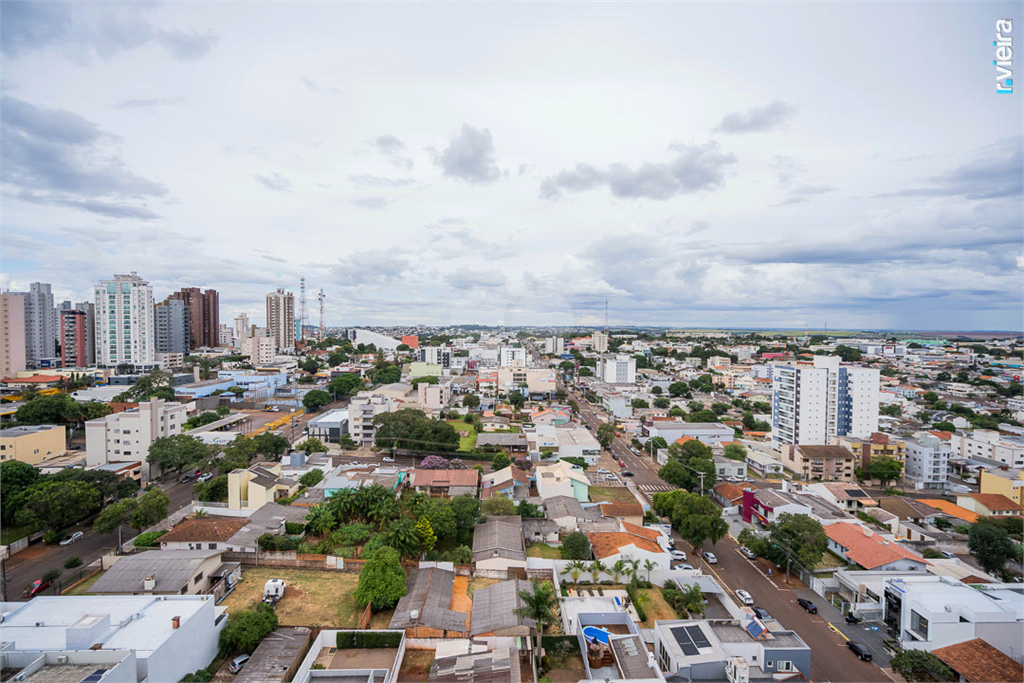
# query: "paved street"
[[30, 564]]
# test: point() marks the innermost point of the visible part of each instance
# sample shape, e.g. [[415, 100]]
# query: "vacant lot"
[[416, 665], [81, 588], [611, 494], [466, 443], [311, 598], [655, 607], [543, 550]]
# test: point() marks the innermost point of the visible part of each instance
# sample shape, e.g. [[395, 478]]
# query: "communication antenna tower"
[[321, 297], [606, 316], [302, 306]]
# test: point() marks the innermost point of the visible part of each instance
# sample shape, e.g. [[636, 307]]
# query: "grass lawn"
[[830, 561], [543, 550], [466, 443], [655, 607], [311, 597], [611, 494], [81, 588]]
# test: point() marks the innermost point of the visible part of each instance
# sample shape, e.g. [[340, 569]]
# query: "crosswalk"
[[656, 488]]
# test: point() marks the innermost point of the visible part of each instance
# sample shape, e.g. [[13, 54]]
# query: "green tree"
[[920, 665], [247, 628], [944, 426], [412, 429], [695, 517], [467, 511], [56, 505], [176, 452], [311, 478], [321, 520], [848, 353], [150, 508], [606, 434], [930, 397], [594, 569], [471, 401], [640, 403], [801, 537], [381, 580], [527, 510], [517, 400], [311, 445], [576, 546], [403, 536], [662, 403], [269, 444], [498, 506], [885, 469], [500, 462], [719, 408], [676, 411], [655, 444], [539, 605], [990, 545], [315, 400], [336, 358], [113, 516], [310, 365], [426, 534], [892, 410], [346, 384], [678, 389], [442, 519], [16, 477], [56, 408], [735, 451], [575, 570]]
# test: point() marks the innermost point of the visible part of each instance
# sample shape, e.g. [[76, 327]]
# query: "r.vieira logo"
[[1004, 56]]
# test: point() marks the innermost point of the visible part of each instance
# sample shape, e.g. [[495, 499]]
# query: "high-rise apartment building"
[[173, 321], [927, 460], [41, 329], [619, 369], [12, 334], [124, 321], [599, 342], [89, 309], [281, 319], [73, 327], [810, 404], [204, 316]]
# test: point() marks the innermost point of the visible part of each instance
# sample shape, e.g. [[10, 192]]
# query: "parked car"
[[387, 459], [862, 652], [807, 605], [601, 470], [186, 478], [610, 477], [745, 597], [677, 555], [710, 558], [71, 538], [622, 463], [748, 553], [627, 473], [36, 588], [761, 614], [205, 476], [852, 618], [947, 554], [237, 663]]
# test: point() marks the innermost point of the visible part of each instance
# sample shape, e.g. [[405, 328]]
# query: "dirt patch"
[[778, 576], [655, 607], [416, 666], [611, 494], [476, 584], [312, 598], [565, 669]]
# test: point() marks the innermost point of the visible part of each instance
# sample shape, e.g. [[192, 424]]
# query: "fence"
[[17, 546]]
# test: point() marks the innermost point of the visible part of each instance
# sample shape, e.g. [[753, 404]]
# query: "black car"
[[859, 650], [760, 613], [627, 473], [807, 605]]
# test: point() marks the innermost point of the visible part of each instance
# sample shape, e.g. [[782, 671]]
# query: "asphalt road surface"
[[22, 569]]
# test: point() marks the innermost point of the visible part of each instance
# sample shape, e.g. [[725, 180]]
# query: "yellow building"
[[1008, 482], [262, 483], [33, 444]]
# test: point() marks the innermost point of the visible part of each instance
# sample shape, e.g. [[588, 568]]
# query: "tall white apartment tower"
[[812, 403], [281, 319], [40, 324], [124, 321], [599, 341]]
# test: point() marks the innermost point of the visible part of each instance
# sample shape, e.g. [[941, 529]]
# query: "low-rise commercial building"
[[33, 444], [127, 436]]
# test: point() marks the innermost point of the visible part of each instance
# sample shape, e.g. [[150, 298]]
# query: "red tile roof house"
[[867, 548], [976, 661], [989, 504], [445, 483]]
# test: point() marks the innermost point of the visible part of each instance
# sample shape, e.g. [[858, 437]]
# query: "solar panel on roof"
[[755, 629], [685, 642], [856, 494], [698, 637]]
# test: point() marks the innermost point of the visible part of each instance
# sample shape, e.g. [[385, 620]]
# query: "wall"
[[189, 648]]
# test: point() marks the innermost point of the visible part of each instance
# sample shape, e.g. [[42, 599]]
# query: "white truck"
[[273, 591]]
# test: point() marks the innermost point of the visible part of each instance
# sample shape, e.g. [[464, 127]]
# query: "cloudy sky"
[[694, 164]]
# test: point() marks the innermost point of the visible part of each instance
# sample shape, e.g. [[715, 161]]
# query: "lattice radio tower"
[[302, 307], [606, 316], [323, 328]]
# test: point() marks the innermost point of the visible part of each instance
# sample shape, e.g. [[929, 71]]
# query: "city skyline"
[[695, 165]]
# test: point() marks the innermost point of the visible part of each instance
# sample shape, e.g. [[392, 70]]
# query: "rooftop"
[[494, 607], [952, 509], [275, 656], [427, 602], [606, 544], [171, 569], [205, 529], [499, 537], [995, 501], [866, 547], [23, 430], [824, 452], [976, 660]]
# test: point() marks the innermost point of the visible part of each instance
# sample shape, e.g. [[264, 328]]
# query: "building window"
[[919, 624], [199, 577]]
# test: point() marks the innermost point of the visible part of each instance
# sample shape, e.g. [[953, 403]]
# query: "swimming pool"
[[592, 633]]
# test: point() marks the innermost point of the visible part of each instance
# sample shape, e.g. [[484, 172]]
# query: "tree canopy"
[[381, 580], [412, 429], [576, 546], [695, 517], [990, 545]]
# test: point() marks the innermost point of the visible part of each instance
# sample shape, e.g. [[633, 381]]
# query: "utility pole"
[[322, 327]]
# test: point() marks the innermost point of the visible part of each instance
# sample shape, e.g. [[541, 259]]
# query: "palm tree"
[[381, 510], [649, 566], [402, 536], [539, 605], [416, 502], [634, 570], [575, 569], [321, 520], [618, 569], [595, 568], [343, 503]]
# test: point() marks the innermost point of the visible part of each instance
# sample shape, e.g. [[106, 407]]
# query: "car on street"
[[709, 557], [948, 555], [747, 553], [601, 470], [186, 478], [677, 555], [685, 566], [627, 473], [205, 476], [858, 649], [387, 459], [622, 463], [761, 614], [610, 477], [71, 538], [37, 587], [237, 663], [745, 597], [807, 605]]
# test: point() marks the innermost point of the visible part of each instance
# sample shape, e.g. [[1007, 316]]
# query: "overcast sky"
[[694, 164]]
